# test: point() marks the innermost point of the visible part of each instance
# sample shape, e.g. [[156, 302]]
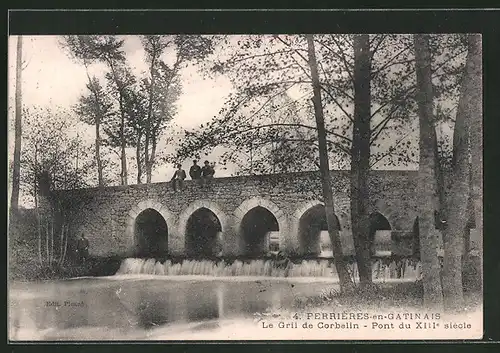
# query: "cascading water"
[[259, 268]]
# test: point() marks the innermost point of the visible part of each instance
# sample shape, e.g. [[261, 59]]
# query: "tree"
[[136, 110], [264, 70], [16, 171], [50, 149], [456, 210], [109, 50], [344, 278], [166, 92], [360, 156], [93, 108], [144, 104], [292, 150], [475, 130], [426, 188], [120, 80], [154, 47], [162, 85], [52, 159]]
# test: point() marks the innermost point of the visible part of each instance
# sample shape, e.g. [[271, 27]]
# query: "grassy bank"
[[93, 267], [380, 296]]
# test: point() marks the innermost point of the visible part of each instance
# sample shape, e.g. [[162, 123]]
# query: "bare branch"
[[383, 36], [391, 149], [381, 125], [406, 93], [342, 57], [338, 104], [390, 62], [338, 90], [234, 61], [299, 54], [268, 101], [292, 125]]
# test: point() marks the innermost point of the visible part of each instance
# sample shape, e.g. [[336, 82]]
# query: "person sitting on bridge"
[[207, 173], [82, 249], [195, 172], [178, 178]]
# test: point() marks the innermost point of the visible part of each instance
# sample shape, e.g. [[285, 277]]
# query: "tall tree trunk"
[[360, 160], [340, 265], [146, 154], [476, 142], [457, 201], [14, 201], [123, 152], [147, 158], [98, 151], [65, 246], [97, 127], [152, 157], [47, 256], [51, 259], [426, 188], [138, 158], [38, 216], [61, 244]]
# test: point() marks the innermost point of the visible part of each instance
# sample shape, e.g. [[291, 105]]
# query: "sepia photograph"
[[233, 187]]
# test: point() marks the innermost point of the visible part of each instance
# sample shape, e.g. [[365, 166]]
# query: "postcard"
[[230, 187]]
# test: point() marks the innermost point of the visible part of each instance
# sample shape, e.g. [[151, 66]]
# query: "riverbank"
[[380, 296], [93, 267]]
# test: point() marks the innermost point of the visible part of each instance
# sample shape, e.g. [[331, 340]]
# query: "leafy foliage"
[[49, 148], [269, 72], [134, 110], [95, 104]]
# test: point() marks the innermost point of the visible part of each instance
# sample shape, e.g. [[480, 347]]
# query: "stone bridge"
[[245, 215]]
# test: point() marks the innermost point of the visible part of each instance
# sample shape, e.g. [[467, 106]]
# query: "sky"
[[51, 78]]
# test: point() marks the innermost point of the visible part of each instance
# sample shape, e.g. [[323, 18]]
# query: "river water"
[[147, 299], [135, 307]]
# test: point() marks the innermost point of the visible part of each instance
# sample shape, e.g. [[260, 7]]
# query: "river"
[[140, 307]]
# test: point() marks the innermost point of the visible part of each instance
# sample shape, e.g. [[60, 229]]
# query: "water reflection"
[[90, 308]]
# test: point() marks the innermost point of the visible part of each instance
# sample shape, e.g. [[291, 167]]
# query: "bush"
[[471, 274]]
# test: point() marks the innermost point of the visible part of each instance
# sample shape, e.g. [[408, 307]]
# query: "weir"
[[407, 269]]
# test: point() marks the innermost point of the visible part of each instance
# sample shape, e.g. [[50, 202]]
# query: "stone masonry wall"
[[107, 215]]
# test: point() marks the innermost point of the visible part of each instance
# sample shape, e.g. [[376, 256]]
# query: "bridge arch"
[[382, 217], [309, 220], [380, 234], [203, 225], [136, 213], [390, 212], [272, 217]]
